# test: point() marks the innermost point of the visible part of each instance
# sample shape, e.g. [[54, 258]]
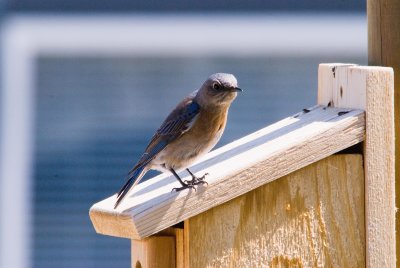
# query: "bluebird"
[[191, 130]]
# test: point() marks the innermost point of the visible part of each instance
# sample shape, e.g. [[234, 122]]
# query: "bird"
[[190, 131]]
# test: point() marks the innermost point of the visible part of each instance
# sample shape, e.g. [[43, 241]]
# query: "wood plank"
[[313, 217], [186, 243], [383, 50], [235, 169], [178, 234], [371, 88], [379, 170], [153, 252]]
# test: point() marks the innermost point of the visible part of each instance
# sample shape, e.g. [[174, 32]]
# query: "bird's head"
[[219, 89]]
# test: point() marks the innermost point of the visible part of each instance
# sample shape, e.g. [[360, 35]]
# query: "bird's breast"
[[202, 136]]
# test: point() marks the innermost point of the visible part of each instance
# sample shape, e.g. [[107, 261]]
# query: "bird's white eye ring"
[[216, 86]]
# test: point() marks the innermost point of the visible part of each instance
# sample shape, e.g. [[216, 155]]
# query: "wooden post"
[[370, 88], [384, 50]]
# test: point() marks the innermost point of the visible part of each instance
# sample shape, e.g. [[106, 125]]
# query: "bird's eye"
[[216, 86]]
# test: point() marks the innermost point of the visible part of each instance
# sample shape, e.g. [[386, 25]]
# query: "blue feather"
[[134, 178]]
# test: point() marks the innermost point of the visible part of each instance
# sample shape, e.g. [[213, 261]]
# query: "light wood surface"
[[384, 50], [153, 252], [178, 234], [313, 217], [370, 88], [337, 90], [379, 170], [234, 169]]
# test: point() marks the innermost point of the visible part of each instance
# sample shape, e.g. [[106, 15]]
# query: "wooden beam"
[[384, 50], [370, 88], [313, 217], [234, 169]]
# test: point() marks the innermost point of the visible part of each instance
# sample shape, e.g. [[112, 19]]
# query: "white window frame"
[[24, 38]]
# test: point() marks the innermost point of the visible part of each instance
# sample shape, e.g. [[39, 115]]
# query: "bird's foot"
[[197, 180], [186, 186]]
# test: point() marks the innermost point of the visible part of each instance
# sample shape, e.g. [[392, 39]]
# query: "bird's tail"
[[135, 175]]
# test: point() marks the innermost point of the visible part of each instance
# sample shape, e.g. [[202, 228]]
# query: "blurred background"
[[86, 83]]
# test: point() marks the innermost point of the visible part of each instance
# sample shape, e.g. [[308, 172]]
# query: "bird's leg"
[[196, 180], [184, 185]]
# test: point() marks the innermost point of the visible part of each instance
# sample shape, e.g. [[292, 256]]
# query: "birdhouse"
[[315, 189]]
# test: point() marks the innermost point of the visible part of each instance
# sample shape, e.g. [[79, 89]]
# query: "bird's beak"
[[237, 89]]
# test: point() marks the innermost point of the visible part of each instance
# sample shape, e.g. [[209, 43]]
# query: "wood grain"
[[383, 50], [153, 252], [313, 217], [235, 169], [379, 170], [370, 88]]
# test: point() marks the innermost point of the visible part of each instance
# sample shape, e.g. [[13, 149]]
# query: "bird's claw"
[[188, 186], [197, 180], [191, 183]]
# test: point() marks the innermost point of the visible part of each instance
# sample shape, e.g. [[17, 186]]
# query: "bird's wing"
[[178, 122]]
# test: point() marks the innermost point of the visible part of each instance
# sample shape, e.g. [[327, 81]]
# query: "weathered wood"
[[337, 90], [372, 88], [313, 217], [153, 252], [383, 50], [235, 169]]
